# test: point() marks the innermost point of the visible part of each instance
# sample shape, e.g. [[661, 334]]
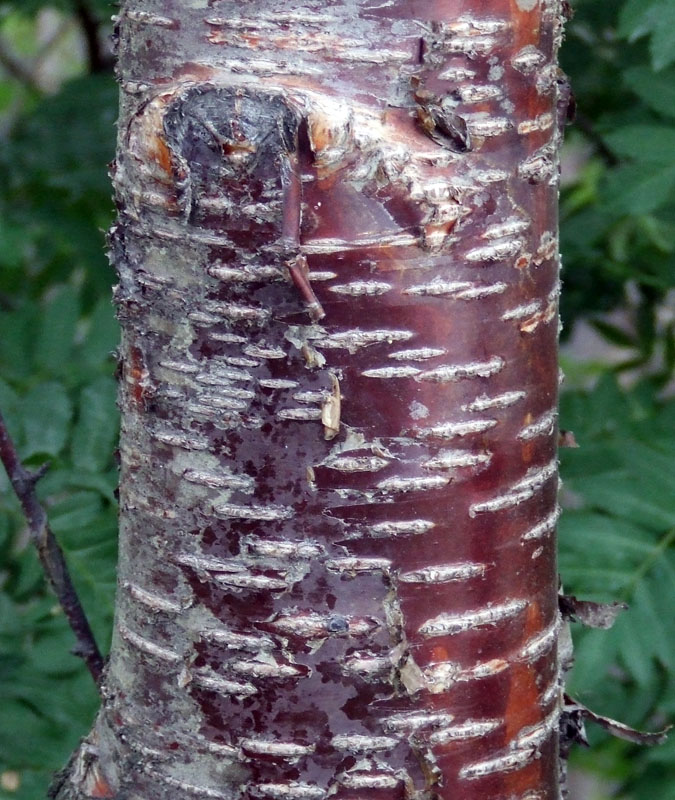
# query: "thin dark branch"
[[15, 67], [52, 42], [49, 552], [90, 29], [27, 72]]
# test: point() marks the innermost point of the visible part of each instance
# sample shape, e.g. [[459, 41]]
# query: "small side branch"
[[90, 29], [51, 556], [15, 66], [296, 263]]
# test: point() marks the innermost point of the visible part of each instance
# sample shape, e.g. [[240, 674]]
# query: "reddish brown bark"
[[338, 288]]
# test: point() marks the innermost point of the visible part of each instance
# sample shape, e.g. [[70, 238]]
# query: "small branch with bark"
[[90, 28], [51, 556]]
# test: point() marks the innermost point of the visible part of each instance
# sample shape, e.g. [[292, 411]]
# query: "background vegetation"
[[57, 336]]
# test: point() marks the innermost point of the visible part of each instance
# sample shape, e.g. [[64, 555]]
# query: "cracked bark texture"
[[338, 281]]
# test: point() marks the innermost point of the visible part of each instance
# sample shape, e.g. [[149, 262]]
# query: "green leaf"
[[38, 745], [11, 241], [631, 496], [58, 480], [657, 18], [657, 90], [613, 333], [17, 336], [102, 335], [644, 143], [662, 43], [619, 541], [46, 423], [633, 21], [57, 329], [69, 138], [77, 510], [96, 427], [638, 188], [40, 724]]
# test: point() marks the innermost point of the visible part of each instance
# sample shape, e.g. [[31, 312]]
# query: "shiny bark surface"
[[337, 252]]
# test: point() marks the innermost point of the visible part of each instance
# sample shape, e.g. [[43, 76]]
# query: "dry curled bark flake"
[[338, 283]]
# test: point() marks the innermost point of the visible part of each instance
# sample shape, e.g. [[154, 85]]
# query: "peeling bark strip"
[[338, 283]]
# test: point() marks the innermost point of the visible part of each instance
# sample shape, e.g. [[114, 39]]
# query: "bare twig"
[[296, 263], [53, 41], [90, 29], [15, 67], [27, 72], [49, 552]]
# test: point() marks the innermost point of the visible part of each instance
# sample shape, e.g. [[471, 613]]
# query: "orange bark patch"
[[161, 154], [95, 785], [526, 22], [137, 377], [522, 708]]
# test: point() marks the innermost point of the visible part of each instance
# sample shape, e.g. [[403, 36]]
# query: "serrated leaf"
[[634, 655], [628, 495], [622, 546], [47, 412], [95, 431]]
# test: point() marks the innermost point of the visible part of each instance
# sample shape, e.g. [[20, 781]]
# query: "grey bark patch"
[[227, 135], [527, 5]]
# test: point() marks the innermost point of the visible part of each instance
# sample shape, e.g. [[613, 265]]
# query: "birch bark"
[[338, 283]]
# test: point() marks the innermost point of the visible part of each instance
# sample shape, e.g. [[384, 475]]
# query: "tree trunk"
[[338, 282]]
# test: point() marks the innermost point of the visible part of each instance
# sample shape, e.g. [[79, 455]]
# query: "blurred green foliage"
[[58, 333], [57, 392], [618, 198]]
